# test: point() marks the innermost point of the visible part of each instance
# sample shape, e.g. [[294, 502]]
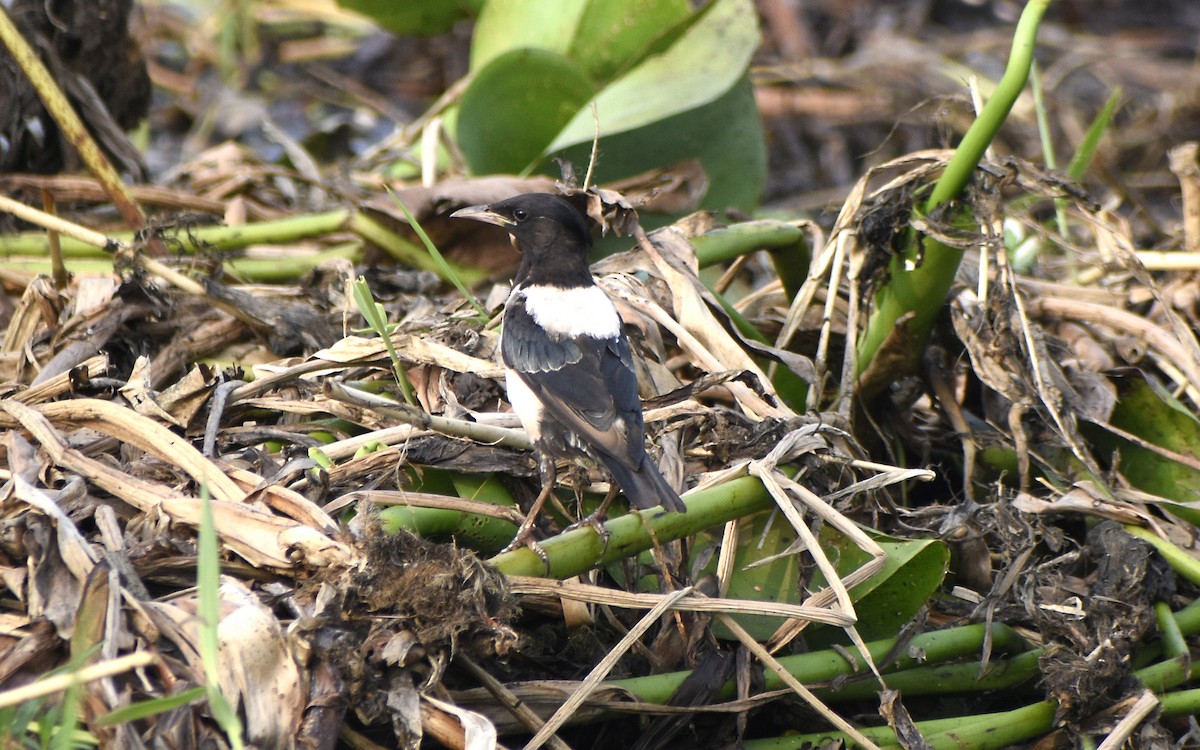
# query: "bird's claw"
[[595, 522], [525, 538]]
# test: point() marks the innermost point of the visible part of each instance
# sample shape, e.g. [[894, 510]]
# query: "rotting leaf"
[[1156, 441]]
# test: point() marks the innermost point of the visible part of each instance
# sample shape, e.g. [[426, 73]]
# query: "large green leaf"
[[601, 36], [725, 136], [678, 91], [508, 25], [701, 65], [913, 571], [414, 16], [612, 34], [515, 105]]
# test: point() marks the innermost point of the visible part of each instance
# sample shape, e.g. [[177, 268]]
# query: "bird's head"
[[547, 230]]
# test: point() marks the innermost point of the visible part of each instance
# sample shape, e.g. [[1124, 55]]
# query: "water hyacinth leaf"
[[884, 602], [515, 105], [613, 34], [770, 580], [426, 17], [668, 85], [887, 600], [725, 136], [506, 26], [602, 36], [701, 65]]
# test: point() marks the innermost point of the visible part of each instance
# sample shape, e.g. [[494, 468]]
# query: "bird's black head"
[[550, 234]]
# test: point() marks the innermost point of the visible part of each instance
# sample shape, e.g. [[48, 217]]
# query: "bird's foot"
[[525, 537], [595, 522]]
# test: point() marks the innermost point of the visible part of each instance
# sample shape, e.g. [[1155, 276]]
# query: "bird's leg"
[[596, 520], [524, 537]]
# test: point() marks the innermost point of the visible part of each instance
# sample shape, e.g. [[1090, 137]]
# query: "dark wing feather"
[[586, 383], [527, 348]]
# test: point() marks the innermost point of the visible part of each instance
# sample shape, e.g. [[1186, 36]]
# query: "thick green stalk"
[[920, 291], [823, 666], [278, 232], [582, 549], [484, 534], [732, 242], [975, 732], [943, 679]]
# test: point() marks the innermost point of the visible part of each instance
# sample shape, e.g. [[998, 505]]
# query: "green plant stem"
[[981, 732], [977, 732], [920, 291], [483, 534], [279, 270], [979, 136], [732, 242], [944, 679], [582, 549], [278, 232], [822, 666], [1043, 121], [1181, 562], [260, 270], [1165, 675], [1181, 703], [1172, 635]]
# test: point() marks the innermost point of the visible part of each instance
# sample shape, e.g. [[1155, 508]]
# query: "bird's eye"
[[520, 214]]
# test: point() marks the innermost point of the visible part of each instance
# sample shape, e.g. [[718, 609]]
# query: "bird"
[[568, 364]]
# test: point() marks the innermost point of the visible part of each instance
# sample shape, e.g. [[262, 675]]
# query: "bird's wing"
[[587, 383]]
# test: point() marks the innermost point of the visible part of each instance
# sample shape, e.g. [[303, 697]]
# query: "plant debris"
[[996, 531]]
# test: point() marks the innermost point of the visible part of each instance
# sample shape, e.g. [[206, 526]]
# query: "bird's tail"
[[646, 487]]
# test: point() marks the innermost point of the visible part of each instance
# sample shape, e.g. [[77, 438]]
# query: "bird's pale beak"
[[484, 214]]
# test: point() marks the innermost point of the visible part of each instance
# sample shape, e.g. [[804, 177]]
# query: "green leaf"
[[704, 63], [885, 602], [668, 85], [1091, 139], [147, 708], [612, 34], [426, 17], [515, 105], [208, 586], [508, 25], [1148, 411], [602, 36], [913, 571], [725, 136], [774, 581]]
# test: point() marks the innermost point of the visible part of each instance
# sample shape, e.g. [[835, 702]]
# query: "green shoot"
[[208, 583], [1091, 139], [144, 709], [915, 292], [445, 269], [376, 319]]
